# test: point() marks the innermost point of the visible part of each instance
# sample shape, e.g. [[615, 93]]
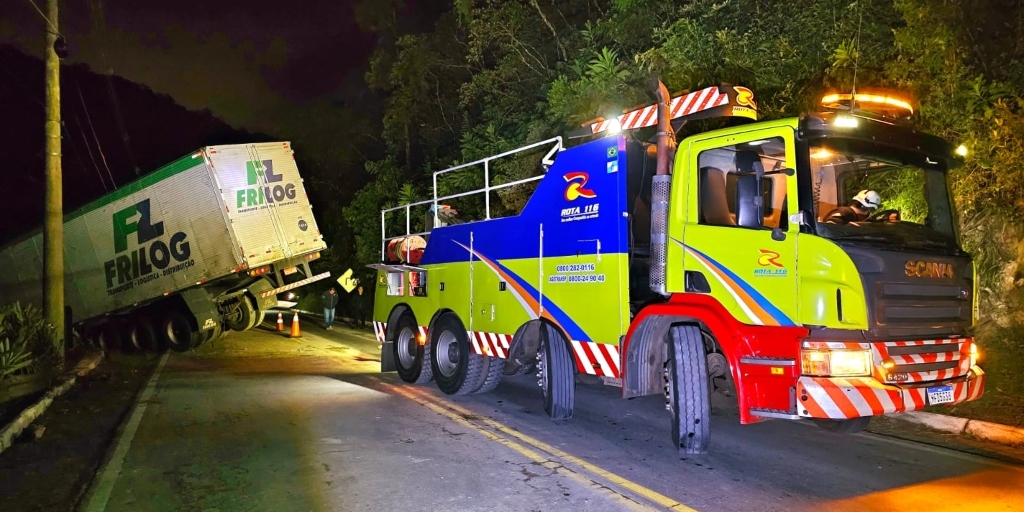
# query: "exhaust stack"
[[661, 184]]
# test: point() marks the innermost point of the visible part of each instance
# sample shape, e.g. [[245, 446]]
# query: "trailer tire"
[[456, 368], [688, 390], [144, 336], [109, 336], [492, 375], [410, 357], [244, 315], [851, 426], [177, 331], [555, 364]]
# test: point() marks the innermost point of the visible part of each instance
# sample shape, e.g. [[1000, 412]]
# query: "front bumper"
[[852, 397]]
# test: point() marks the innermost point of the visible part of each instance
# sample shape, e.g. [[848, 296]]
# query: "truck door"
[[742, 255]]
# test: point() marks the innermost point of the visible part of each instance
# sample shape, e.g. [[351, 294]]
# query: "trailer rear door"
[[265, 200]]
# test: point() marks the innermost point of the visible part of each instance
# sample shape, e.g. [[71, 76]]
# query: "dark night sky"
[[270, 70], [249, 61]]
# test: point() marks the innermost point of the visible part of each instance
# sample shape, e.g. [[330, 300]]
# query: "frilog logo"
[[152, 258], [273, 191]]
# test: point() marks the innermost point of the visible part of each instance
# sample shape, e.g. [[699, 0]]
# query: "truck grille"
[[921, 360], [902, 304]]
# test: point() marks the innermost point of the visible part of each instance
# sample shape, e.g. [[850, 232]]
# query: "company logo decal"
[[259, 195], [577, 186], [152, 257], [928, 269], [745, 97], [576, 189], [770, 260], [745, 105]]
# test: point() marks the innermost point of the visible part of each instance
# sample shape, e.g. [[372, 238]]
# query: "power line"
[[99, 18], [99, 147], [48, 22], [95, 166]]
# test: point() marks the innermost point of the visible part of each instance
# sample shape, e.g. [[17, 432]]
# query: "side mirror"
[[749, 206]]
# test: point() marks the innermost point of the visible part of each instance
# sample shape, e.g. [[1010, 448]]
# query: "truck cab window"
[[721, 169]]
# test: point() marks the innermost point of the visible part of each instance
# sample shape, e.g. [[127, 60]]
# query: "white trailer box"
[[223, 212]]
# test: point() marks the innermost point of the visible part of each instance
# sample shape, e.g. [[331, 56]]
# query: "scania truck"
[[718, 262], [198, 247]]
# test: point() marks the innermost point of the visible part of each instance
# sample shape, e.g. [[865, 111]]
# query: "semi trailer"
[[197, 248]]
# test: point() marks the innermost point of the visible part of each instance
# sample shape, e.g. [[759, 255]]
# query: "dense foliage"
[[26, 341], [493, 74]]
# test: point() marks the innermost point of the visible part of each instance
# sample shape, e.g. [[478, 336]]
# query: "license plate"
[[940, 395]]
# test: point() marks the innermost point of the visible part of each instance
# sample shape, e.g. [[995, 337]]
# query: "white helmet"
[[868, 198]]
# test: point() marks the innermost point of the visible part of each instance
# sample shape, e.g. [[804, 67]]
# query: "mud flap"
[[387, 356], [204, 310]]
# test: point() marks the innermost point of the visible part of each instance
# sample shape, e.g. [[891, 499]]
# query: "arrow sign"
[[347, 282]]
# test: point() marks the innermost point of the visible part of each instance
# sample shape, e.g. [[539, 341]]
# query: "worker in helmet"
[[863, 204]]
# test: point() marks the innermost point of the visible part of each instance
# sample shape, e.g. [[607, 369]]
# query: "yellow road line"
[[546, 462], [461, 415]]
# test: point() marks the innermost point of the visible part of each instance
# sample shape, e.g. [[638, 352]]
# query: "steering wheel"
[[883, 215]]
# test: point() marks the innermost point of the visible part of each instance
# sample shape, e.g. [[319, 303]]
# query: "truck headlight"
[[836, 363]]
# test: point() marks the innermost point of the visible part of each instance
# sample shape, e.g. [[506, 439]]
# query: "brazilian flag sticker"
[[613, 151]]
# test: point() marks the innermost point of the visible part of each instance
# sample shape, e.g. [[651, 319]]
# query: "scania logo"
[[928, 269]]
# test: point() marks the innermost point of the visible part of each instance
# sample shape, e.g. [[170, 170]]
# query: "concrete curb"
[[992, 432], [16, 427]]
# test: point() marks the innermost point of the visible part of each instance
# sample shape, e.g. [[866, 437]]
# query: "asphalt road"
[[258, 421]]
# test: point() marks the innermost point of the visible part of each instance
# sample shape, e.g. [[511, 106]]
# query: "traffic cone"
[[280, 321], [296, 332]]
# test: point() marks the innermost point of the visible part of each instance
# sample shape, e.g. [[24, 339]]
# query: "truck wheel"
[[844, 426], [409, 353], [177, 331], [109, 337], [555, 375], [688, 390], [456, 368], [492, 376], [144, 336], [243, 315]]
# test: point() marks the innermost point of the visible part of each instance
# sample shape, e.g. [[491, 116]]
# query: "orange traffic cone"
[[296, 332], [280, 321]]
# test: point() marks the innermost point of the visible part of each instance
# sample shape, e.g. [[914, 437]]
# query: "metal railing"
[[486, 190]]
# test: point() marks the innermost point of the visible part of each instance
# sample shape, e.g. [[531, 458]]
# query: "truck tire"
[[555, 375], [408, 353], [144, 336], [851, 426], [456, 368], [110, 336], [177, 331], [688, 390], [243, 316], [492, 375]]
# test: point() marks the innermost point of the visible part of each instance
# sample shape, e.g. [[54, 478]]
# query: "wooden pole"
[[53, 223]]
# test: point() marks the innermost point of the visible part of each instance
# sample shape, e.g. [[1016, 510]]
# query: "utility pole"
[[53, 222]]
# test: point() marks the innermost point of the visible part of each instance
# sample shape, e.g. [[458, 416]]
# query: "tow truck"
[[711, 263]]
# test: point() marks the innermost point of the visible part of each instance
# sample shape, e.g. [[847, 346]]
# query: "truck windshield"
[[879, 196]]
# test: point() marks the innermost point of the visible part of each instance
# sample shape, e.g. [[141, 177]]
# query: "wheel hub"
[[406, 348], [448, 353]]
